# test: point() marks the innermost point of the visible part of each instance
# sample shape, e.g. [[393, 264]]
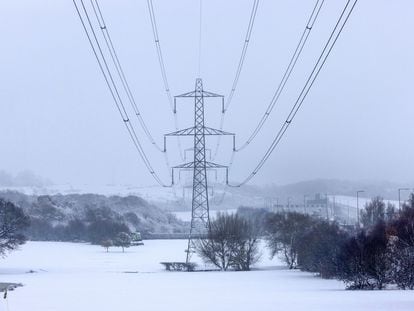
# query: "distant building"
[[319, 201], [318, 205]]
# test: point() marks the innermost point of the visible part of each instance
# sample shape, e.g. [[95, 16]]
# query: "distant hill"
[[59, 210], [386, 189], [23, 179]]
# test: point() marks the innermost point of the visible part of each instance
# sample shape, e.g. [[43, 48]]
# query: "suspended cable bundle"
[[112, 85], [110, 82], [163, 71], [288, 71], [200, 37], [238, 70], [115, 59], [117, 64], [292, 63], [345, 14]]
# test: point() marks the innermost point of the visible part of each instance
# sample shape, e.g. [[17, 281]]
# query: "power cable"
[[113, 89], [288, 71], [163, 70], [292, 63], [200, 37], [115, 59], [238, 70], [308, 85]]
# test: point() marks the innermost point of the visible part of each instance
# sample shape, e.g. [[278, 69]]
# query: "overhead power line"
[[346, 12], [238, 70], [118, 66], [200, 37], [292, 63], [106, 72], [243, 55], [287, 73], [163, 70]]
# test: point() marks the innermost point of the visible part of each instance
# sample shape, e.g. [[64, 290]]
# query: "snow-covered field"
[[80, 277]]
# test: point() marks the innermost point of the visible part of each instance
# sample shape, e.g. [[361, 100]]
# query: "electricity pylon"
[[200, 218]]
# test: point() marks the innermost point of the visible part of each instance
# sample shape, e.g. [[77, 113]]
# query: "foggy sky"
[[58, 118]]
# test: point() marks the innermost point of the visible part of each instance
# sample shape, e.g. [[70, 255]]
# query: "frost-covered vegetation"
[[379, 254], [232, 242], [90, 217], [13, 222]]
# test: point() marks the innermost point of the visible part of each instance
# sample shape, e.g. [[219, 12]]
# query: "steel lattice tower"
[[200, 218]]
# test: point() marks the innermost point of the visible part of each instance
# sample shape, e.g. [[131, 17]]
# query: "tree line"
[[377, 254], [98, 227], [374, 256]]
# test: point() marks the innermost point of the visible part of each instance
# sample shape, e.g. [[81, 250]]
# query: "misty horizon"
[[354, 125]]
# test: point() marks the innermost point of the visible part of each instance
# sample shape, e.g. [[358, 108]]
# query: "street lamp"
[[399, 196], [358, 192], [304, 202]]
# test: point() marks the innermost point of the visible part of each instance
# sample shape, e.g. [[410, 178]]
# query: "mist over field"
[[206, 155]]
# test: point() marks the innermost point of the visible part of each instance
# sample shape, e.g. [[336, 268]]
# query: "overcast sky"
[[58, 118]]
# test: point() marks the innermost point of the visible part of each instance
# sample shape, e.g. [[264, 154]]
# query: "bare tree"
[[230, 243], [319, 247], [374, 211], [107, 244], [122, 240], [402, 246], [284, 233], [13, 222]]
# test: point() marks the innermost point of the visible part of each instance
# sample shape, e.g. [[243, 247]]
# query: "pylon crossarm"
[[212, 131], [184, 166], [185, 132], [207, 131], [194, 94]]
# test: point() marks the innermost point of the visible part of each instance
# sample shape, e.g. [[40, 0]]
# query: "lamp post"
[[348, 214], [399, 196], [304, 203], [357, 193]]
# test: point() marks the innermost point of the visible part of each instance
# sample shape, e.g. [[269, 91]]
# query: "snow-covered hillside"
[[174, 199]]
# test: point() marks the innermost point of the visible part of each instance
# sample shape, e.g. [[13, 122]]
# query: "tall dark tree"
[[378, 256], [374, 210], [402, 246], [352, 264], [285, 231], [13, 222], [364, 260], [319, 247]]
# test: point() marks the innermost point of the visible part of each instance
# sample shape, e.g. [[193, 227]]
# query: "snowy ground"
[[83, 277]]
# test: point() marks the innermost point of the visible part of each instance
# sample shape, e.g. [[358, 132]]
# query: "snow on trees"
[[13, 222], [122, 240], [231, 243]]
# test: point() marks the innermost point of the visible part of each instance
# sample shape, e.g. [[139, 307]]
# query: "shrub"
[[231, 243]]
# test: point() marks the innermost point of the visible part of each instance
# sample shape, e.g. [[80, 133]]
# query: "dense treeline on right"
[[377, 255]]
